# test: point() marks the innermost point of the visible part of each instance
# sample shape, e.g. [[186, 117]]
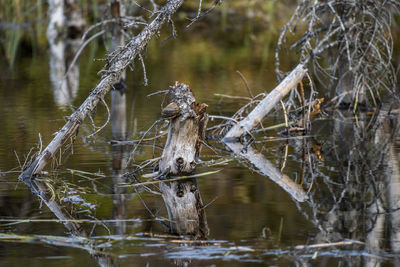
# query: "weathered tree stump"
[[188, 121]]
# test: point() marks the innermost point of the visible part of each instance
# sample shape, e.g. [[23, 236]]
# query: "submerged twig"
[[326, 245], [172, 179]]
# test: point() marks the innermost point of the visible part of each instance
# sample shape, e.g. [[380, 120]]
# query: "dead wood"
[[266, 168], [185, 133], [116, 65], [266, 105]]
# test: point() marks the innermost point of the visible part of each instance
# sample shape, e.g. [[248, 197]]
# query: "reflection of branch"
[[266, 168], [71, 223]]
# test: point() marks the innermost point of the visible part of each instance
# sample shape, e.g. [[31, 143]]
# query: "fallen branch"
[[266, 105], [116, 66]]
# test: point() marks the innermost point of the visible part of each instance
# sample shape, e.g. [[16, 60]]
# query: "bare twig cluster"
[[346, 199], [349, 44]]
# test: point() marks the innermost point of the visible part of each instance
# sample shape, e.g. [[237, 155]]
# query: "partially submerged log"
[[185, 134], [267, 168], [116, 66], [266, 105]]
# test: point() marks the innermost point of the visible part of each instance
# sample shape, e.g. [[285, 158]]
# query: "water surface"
[[347, 166]]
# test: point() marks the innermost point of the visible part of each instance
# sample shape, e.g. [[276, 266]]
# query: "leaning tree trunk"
[[186, 130], [120, 154], [116, 66]]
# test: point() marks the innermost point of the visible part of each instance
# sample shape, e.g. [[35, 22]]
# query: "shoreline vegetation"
[[23, 23]]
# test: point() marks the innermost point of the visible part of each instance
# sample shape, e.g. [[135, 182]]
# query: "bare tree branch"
[[116, 65]]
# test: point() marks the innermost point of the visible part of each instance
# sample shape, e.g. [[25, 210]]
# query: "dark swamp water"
[[347, 168]]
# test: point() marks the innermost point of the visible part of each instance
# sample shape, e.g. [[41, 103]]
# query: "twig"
[[144, 70], [78, 53], [171, 179], [234, 97], [245, 83], [222, 118], [107, 121], [303, 108], [125, 143], [284, 115], [158, 92], [326, 245], [141, 140]]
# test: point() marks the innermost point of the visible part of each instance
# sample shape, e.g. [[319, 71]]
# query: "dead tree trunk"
[[266, 105], [116, 66], [188, 121]]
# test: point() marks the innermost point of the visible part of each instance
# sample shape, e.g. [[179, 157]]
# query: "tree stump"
[[188, 121]]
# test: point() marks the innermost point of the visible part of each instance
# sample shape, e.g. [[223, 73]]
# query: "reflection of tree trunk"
[[185, 133], [119, 160], [344, 87], [118, 125], [64, 31], [120, 156], [185, 208]]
